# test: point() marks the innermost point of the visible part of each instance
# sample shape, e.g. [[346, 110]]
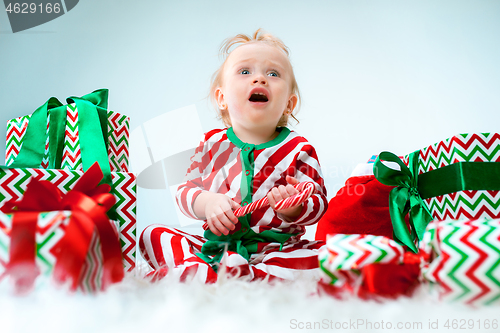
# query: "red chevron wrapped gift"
[[469, 204], [114, 126], [458, 178], [74, 241], [13, 183], [463, 260], [50, 230], [367, 266]]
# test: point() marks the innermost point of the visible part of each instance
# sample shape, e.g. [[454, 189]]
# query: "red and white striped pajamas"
[[224, 164]]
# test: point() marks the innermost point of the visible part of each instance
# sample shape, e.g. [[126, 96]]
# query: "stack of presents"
[[430, 219], [67, 199]]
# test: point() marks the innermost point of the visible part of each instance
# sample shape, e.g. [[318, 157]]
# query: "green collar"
[[284, 131]]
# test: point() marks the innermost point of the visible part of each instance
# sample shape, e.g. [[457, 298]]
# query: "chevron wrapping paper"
[[118, 141], [13, 183], [475, 147], [460, 259], [16, 128], [45, 160], [50, 230], [118, 134], [71, 158], [464, 260], [343, 256]]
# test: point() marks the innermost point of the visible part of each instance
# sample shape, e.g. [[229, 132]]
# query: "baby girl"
[[255, 155]]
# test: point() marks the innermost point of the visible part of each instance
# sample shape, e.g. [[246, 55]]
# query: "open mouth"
[[258, 97]]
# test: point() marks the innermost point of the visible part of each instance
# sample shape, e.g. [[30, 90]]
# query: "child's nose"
[[260, 79]]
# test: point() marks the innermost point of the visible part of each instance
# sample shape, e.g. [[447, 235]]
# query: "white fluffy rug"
[[229, 306]]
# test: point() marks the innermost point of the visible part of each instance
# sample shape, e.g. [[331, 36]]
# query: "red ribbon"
[[88, 202]]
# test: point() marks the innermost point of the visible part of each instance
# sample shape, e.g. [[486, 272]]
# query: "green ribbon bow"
[[93, 134], [244, 242], [404, 198], [413, 188]]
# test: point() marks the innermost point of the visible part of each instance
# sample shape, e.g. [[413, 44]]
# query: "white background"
[[373, 75]]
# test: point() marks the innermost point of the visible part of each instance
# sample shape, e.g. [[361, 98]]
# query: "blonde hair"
[[225, 50]]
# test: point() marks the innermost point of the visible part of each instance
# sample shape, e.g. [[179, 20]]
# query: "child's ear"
[[292, 102], [219, 98]]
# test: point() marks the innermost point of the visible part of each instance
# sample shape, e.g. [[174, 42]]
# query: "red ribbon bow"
[[88, 202]]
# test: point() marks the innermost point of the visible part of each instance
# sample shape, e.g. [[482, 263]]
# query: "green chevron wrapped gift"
[[463, 260], [344, 255], [50, 230], [458, 178], [67, 151], [13, 183]]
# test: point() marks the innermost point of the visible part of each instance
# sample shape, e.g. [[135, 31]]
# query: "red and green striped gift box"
[[343, 256], [462, 148], [50, 230], [464, 260], [457, 178], [13, 183]]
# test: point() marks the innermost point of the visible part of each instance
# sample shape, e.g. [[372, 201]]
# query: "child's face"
[[256, 86]]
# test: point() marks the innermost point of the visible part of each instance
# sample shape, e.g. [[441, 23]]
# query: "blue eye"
[[244, 71], [275, 74]]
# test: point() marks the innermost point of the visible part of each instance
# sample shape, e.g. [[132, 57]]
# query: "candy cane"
[[294, 200], [242, 211], [306, 189]]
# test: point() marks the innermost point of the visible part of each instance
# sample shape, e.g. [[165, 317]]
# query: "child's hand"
[[219, 213], [282, 192]]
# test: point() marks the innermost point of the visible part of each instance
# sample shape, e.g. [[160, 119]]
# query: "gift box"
[[65, 235], [469, 148], [50, 230], [345, 255], [13, 183], [458, 178], [463, 260], [114, 126]]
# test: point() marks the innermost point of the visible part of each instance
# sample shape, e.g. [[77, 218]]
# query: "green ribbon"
[[404, 198], [413, 188], [244, 242], [93, 134]]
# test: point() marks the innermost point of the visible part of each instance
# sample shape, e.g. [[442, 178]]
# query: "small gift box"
[[458, 178], [63, 124], [344, 256], [463, 260], [67, 236]]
